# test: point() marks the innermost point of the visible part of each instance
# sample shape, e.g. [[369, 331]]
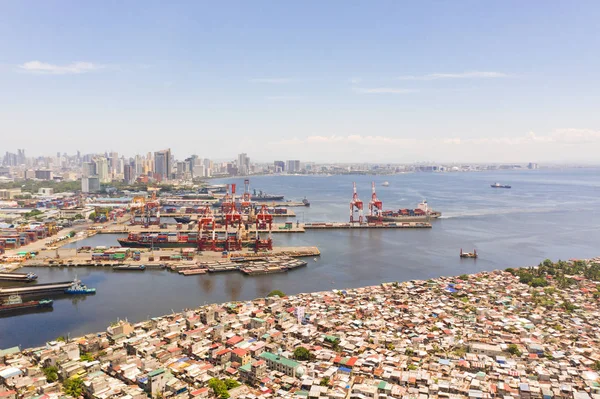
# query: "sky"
[[340, 81]]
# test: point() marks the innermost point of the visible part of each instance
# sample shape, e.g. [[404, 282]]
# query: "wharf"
[[289, 214], [35, 289], [276, 228], [283, 204], [277, 264], [338, 225]]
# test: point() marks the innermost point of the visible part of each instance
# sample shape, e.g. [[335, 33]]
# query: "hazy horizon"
[[382, 81]]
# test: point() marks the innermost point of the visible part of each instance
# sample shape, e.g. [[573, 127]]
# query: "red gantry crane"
[[263, 218], [207, 240], [356, 206], [375, 205], [246, 197]]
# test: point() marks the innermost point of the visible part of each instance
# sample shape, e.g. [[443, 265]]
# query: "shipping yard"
[[188, 227]]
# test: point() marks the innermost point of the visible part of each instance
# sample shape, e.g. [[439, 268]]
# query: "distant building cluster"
[[162, 166]]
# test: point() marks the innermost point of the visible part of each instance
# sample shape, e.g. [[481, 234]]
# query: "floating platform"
[[338, 225], [35, 289], [24, 277]]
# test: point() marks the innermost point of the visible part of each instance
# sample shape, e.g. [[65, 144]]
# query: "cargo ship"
[[15, 303], [180, 239], [183, 219], [260, 196], [421, 214], [498, 185]]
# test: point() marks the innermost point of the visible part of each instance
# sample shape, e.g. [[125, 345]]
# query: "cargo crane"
[[375, 206], [356, 205], [246, 197], [262, 219], [206, 222], [232, 216]]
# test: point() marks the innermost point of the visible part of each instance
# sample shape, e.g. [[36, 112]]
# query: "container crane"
[[356, 206], [206, 222], [246, 197], [375, 205], [262, 219], [232, 216]]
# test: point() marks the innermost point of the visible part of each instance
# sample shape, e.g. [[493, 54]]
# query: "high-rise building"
[[88, 169], [21, 160], [102, 169], [243, 164], [292, 166], [279, 166], [43, 174], [114, 162], [128, 173], [162, 164], [90, 184]]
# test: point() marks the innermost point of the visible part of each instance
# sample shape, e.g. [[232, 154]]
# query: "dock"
[[277, 228], [338, 225], [219, 215], [268, 265], [35, 289]]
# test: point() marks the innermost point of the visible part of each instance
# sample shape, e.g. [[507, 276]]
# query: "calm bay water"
[[547, 214]]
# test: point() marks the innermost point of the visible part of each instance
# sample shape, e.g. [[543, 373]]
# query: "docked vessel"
[[15, 302], [305, 202], [183, 239], [260, 196], [183, 219], [472, 255], [498, 185], [140, 268], [78, 288], [421, 214]]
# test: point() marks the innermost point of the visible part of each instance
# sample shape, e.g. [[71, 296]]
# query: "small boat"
[[498, 185], [385, 184], [130, 267], [472, 255], [305, 202], [78, 288]]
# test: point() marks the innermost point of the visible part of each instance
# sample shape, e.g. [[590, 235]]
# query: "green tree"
[[92, 216], [276, 293], [51, 373], [301, 353], [231, 383], [464, 277], [514, 350], [219, 388], [78, 216], [324, 381], [73, 386], [61, 338], [86, 357]]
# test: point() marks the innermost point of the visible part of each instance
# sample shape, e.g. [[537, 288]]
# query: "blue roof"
[[346, 369]]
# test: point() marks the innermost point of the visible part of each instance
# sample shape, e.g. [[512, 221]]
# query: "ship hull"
[[24, 306], [407, 218], [136, 244], [267, 198]]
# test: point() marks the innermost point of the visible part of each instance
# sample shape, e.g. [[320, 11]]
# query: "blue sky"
[[338, 80]]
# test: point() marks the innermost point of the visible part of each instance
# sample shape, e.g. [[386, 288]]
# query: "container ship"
[[180, 239], [15, 303], [421, 214]]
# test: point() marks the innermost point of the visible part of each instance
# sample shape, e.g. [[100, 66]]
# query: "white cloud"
[[52, 69], [271, 80], [383, 90], [463, 75], [560, 136]]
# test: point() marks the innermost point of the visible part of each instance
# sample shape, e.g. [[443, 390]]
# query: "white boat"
[[385, 183]]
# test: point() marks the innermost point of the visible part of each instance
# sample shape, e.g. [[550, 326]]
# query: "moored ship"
[[420, 214], [498, 185], [15, 303], [185, 239], [260, 196], [78, 288]]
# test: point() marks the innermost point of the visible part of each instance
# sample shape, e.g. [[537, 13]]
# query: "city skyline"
[[391, 82]]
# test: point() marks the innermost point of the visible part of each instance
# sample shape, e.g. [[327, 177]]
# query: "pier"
[[35, 289]]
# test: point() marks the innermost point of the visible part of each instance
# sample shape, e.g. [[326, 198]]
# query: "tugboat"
[[15, 302], [498, 185], [78, 288], [471, 255], [305, 202]]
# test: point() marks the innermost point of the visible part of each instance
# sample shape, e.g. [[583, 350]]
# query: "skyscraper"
[[102, 170], [162, 164], [292, 166], [243, 164]]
